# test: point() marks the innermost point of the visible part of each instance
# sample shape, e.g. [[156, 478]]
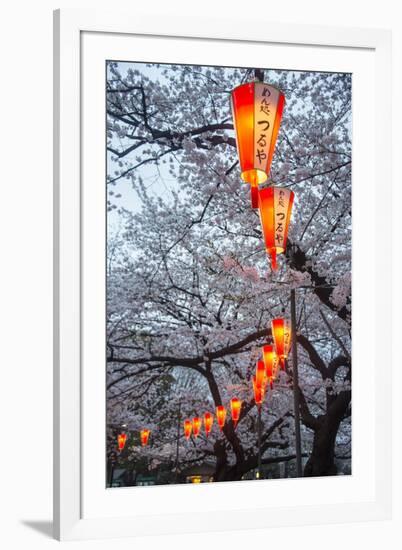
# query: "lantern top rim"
[[259, 82], [269, 184]]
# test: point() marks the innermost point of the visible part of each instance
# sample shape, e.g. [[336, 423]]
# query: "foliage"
[[190, 294]]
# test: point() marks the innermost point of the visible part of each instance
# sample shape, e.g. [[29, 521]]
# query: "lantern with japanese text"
[[121, 441], [144, 436], [196, 426], [275, 204], [259, 392], [220, 416], [235, 406], [257, 112], [281, 332], [188, 428], [270, 363], [208, 421]]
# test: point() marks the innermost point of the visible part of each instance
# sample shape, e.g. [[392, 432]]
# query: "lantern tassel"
[[272, 385], [254, 196], [272, 253]]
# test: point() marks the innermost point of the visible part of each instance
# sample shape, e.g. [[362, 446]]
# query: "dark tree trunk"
[[224, 471], [221, 460], [228, 473], [322, 459]]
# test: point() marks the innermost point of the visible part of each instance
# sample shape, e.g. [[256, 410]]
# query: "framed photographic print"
[[221, 262]]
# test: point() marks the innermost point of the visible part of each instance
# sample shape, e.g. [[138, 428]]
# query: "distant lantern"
[[281, 333], [260, 374], [259, 391], [220, 416], [121, 441], [275, 205], [144, 436], [196, 426], [271, 363], [257, 112], [188, 428], [208, 421], [235, 406]]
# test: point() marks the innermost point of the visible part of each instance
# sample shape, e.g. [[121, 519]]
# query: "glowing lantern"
[[259, 392], [196, 426], [235, 406], [144, 436], [275, 204], [220, 416], [208, 421], [270, 363], [257, 112], [188, 428], [121, 441], [260, 374], [281, 333]]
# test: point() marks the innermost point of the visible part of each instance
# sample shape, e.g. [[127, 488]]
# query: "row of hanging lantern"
[[273, 359], [193, 427], [266, 372], [122, 439], [257, 112]]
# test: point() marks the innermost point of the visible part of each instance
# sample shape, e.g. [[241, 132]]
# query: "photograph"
[[206, 241], [228, 274]]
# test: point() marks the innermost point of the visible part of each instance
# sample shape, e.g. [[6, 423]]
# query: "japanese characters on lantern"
[[121, 441], [144, 436], [220, 416], [281, 333], [271, 364], [208, 421], [235, 406], [188, 428], [196, 426], [275, 206], [257, 110]]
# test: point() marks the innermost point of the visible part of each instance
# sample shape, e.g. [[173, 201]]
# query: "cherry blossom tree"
[[190, 294]]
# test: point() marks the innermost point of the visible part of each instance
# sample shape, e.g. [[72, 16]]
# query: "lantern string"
[[272, 253], [254, 196]]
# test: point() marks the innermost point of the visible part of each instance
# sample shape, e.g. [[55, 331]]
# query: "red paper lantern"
[[260, 374], [196, 426], [235, 406], [275, 204], [270, 363], [208, 421], [257, 112], [281, 332], [188, 428], [121, 441], [220, 416], [259, 392], [144, 436]]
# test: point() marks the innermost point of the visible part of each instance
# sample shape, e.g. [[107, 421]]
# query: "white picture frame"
[[78, 502]]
